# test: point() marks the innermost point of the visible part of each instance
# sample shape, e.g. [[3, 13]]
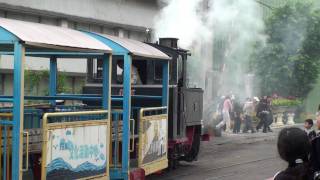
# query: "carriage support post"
[[165, 83], [126, 115], [53, 78], [106, 81], [18, 94]]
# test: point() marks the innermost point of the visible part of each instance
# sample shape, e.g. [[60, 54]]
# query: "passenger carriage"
[[129, 126], [44, 139]]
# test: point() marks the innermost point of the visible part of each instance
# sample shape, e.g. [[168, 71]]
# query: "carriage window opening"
[[157, 70], [179, 67], [120, 71], [97, 68], [2, 79], [135, 76]]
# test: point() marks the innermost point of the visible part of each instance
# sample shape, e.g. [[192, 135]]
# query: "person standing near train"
[[263, 113], [237, 115], [227, 109], [248, 111]]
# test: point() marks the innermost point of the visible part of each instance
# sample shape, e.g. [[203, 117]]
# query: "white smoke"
[[239, 24], [200, 24], [181, 19]]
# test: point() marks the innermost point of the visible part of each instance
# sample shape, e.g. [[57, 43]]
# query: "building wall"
[[120, 13], [123, 18]]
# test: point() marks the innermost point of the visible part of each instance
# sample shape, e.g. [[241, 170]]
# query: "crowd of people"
[[301, 150], [232, 112]]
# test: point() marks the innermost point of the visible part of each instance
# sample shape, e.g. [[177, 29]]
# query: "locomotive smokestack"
[[169, 42]]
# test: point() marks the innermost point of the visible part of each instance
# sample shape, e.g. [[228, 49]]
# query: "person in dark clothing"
[[315, 152], [308, 123], [294, 147], [270, 115], [237, 110], [263, 113]]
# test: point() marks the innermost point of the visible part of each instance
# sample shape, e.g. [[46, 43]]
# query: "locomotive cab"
[[186, 106]]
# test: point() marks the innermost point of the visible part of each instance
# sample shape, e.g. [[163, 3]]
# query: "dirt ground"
[[241, 157]]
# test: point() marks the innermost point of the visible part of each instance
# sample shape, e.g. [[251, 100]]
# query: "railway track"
[[228, 161], [211, 170]]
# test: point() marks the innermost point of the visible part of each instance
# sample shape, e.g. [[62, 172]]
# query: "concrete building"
[[123, 18]]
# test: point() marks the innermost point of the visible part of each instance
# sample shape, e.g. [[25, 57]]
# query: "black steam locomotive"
[[185, 104]]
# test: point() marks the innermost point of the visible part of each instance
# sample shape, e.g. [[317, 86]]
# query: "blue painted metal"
[[115, 173], [62, 98], [6, 100], [116, 48], [79, 97], [18, 90], [126, 115], [117, 99], [6, 122], [165, 83], [105, 81], [142, 97], [6, 42], [66, 97], [7, 37], [120, 50], [53, 78], [5, 139]]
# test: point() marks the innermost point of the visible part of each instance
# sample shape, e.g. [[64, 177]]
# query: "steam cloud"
[[201, 25]]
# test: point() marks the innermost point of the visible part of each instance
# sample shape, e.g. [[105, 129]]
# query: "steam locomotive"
[[185, 104]]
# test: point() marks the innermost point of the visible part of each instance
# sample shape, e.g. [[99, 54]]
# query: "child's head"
[[308, 123], [293, 145]]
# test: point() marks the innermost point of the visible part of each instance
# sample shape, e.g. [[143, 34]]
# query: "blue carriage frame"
[[128, 55], [19, 48]]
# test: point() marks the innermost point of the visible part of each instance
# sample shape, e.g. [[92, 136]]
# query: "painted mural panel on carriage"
[[77, 152]]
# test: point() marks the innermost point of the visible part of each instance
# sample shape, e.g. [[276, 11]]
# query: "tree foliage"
[[288, 62], [34, 78]]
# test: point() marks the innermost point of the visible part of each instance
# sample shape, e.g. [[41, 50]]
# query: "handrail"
[[6, 100], [6, 115], [133, 126], [78, 97], [142, 110], [27, 152], [58, 114]]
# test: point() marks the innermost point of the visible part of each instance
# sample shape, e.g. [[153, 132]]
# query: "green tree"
[[34, 78], [288, 63]]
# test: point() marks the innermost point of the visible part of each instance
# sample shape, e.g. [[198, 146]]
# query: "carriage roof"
[[122, 46], [50, 37]]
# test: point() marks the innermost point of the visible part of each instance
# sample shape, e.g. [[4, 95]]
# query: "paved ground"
[[241, 157]]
